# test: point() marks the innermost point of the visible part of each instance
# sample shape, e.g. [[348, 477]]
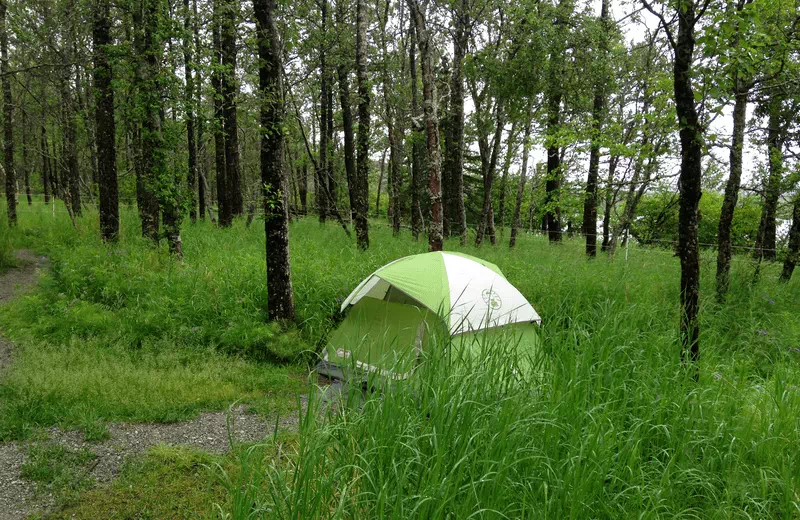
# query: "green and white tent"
[[395, 315]]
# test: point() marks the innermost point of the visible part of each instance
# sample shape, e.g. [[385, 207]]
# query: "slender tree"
[[333, 185], [380, 183], [644, 161], [71, 173], [57, 185], [489, 156], [106, 134], [598, 109], [793, 255], [523, 171], [392, 129], [417, 144], [199, 120], [691, 136], [431, 107], [342, 71], [70, 132], [741, 91], [191, 177], [303, 185], [612, 190], [554, 97], [148, 131], [766, 242], [230, 92], [454, 134], [362, 172], [280, 301], [510, 151], [26, 172], [323, 193], [220, 148], [45, 161], [167, 180]]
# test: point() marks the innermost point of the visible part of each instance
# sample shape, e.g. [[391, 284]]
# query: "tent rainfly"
[[391, 315]]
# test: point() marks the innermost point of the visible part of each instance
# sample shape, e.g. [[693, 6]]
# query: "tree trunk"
[[793, 255], [731, 192], [320, 183], [201, 166], [302, 181], [638, 186], [741, 92], [191, 177], [310, 153], [552, 217], [551, 223], [152, 152], [380, 184], [590, 199], [280, 300], [598, 109], [106, 134], [71, 177], [8, 119], [510, 148], [230, 91], [322, 171], [347, 113], [394, 135], [454, 136], [220, 149], [304, 189], [417, 150], [165, 179], [766, 244], [431, 109], [526, 148], [81, 96], [689, 181], [293, 177], [488, 167], [333, 194], [362, 173], [54, 166], [26, 174], [45, 163], [349, 136], [532, 205]]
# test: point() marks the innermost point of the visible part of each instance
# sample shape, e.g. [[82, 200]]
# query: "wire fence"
[[570, 240]]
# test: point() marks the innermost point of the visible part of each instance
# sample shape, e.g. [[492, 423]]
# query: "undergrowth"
[[613, 428]]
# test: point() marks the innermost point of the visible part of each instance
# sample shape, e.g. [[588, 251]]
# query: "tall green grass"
[[611, 427]]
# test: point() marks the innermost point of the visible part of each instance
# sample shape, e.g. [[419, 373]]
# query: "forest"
[[199, 184]]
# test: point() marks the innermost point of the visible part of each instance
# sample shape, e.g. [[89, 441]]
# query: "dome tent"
[[395, 314]]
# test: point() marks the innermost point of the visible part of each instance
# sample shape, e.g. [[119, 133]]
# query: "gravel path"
[[209, 432]]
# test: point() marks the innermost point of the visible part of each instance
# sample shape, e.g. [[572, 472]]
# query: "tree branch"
[[664, 23]]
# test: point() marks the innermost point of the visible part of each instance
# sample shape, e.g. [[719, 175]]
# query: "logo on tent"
[[492, 299]]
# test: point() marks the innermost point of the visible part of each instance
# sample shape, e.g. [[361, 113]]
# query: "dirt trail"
[[209, 432], [12, 282]]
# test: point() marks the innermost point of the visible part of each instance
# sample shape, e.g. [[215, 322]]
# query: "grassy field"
[[612, 426]]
